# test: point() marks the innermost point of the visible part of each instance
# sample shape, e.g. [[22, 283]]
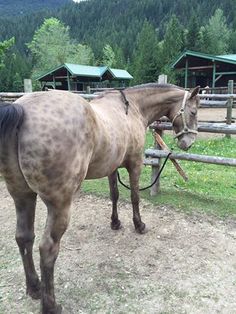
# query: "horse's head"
[[185, 119]]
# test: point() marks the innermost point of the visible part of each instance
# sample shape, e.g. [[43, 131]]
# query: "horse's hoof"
[[141, 228], [56, 310], [34, 292], [116, 225]]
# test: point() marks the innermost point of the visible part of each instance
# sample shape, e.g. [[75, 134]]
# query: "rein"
[[181, 113], [149, 186]]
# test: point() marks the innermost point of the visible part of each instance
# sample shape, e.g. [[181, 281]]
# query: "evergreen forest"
[[142, 36]]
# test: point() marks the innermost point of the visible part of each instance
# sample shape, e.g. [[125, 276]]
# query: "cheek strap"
[[181, 113]]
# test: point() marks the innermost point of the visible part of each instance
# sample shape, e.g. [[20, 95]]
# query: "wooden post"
[[229, 105], [88, 89], [186, 73], [54, 81], [68, 80], [214, 75], [162, 79], [27, 86]]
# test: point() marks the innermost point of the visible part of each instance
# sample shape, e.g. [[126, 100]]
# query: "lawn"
[[210, 188]]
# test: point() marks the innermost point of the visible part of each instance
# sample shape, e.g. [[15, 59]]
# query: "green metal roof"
[[229, 57], [222, 58], [85, 70], [89, 71], [121, 74]]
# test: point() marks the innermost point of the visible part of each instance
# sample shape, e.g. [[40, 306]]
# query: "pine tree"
[[120, 61], [215, 35], [173, 40], [109, 58], [15, 69], [4, 46], [171, 46], [193, 35], [145, 63]]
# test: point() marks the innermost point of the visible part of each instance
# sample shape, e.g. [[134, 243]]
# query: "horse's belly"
[[96, 172], [103, 167]]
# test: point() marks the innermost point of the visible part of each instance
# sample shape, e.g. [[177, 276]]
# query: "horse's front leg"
[[57, 222], [134, 170], [114, 195]]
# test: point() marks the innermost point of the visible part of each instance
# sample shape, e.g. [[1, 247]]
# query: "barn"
[[203, 69], [77, 77]]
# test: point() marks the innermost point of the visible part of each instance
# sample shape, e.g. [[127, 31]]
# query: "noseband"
[[181, 113]]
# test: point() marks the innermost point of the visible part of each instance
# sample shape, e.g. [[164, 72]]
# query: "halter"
[[181, 113]]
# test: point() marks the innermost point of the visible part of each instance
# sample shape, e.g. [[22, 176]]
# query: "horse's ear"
[[194, 92]]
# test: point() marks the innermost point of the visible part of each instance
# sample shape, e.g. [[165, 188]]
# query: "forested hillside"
[[21, 7], [143, 36], [119, 21]]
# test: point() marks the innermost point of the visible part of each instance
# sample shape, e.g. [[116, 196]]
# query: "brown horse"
[[51, 141]]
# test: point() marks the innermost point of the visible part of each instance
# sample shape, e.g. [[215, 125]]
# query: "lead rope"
[[149, 186]]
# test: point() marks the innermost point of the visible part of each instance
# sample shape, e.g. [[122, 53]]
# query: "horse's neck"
[[157, 102]]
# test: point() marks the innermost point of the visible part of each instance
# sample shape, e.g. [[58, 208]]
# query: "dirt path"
[[210, 114], [184, 264]]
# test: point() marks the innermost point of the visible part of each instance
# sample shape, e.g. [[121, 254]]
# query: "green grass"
[[210, 188]]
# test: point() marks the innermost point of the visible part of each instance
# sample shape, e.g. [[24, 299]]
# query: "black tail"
[[11, 118]]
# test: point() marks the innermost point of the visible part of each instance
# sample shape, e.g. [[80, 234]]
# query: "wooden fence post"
[[162, 79], [229, 105], [27, 86], [88, 89]]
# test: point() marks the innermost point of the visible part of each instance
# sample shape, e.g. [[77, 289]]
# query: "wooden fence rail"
[[202, 127], [154, 153]]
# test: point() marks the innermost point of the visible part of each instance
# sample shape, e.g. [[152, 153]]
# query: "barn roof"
[[98, 72], [121, 74], [179, 62], [85, 70]]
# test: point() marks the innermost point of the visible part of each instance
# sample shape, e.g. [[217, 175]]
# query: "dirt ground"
[[184, 264], [208, 114], [216, 114]]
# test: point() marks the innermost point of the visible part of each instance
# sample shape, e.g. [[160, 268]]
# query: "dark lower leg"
[[48, 303], [25, 209], [138, 224], [134, 185], [57, 222], [114, 195]]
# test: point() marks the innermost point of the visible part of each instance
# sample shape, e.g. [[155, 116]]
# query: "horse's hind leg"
[[25, 203], [56, 225], [114, 194]]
